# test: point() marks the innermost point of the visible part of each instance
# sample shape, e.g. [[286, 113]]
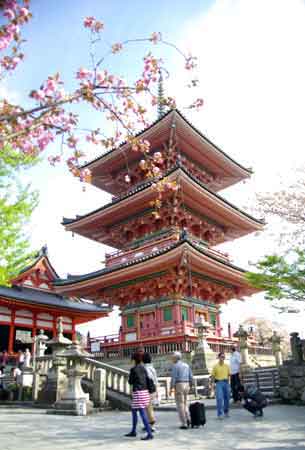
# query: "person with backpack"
[[152, 375], [141, 385], [181, 383], [254, 400]]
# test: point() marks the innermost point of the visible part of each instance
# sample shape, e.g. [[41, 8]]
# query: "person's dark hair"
[[221, 354], [146, 358], [137, 357], [233, 348]]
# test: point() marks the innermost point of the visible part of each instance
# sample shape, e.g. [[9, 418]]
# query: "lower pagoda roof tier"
[[22, 296], [202, 263], [189, 140], [206, 205]]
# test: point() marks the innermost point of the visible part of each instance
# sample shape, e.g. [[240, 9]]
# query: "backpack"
[[150, 385]]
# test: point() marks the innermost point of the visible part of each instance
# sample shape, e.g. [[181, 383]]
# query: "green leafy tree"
[[17, 203], [282, 278]]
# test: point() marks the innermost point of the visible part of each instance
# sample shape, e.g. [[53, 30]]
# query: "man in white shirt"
[[235, 361]]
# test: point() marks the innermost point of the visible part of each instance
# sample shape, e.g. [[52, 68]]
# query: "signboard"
[[24, 336], [95, 347], [130, 337]]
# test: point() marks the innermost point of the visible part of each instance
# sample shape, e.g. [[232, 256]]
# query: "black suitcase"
[[197, 413]]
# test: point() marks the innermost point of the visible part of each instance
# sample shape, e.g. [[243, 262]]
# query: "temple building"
[[31, 304], [164, 274]]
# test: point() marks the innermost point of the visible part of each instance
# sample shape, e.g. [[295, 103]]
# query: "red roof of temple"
[[33, 287], [40, 274], [189, 138]]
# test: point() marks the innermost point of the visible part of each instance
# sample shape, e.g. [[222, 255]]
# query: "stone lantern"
[[73, 399], [199, 361], [56, 379], [276, 348], [39, 348], [243, 336]]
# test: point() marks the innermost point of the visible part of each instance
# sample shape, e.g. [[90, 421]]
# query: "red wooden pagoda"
[[165, 274], [31, 304]]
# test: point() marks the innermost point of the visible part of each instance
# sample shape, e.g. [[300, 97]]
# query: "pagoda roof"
[[201, 259], [219, 209], [37, 297], [205, 151]]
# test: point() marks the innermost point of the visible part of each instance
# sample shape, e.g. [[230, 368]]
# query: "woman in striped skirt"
[[138, 379]]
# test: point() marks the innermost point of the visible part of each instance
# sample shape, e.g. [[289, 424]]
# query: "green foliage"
[[282, 277], [17, 203]]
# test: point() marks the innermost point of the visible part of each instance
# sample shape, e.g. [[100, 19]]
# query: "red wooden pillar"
[[138, 325], [12, 333], [34, 332], [54, 326], [192, 319], [229, 331], [73, 330], [178, 319], [218, 325]]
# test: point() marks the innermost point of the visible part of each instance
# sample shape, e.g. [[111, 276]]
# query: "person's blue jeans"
[[222, 397], [134, 414]]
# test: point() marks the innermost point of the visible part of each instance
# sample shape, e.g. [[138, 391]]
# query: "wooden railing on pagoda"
[[123, 256], [110, 347]]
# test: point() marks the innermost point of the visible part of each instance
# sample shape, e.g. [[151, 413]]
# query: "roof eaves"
[[67, 221], [195, 129], [114, 268]]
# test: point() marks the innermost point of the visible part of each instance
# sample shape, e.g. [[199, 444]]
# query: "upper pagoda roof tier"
[[197, 197], [189, 139], [200, 261]]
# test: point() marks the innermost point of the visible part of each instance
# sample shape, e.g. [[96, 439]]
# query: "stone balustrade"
[[44, 363], [116, 378]]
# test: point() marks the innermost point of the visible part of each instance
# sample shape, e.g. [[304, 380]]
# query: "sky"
[[251, 72]]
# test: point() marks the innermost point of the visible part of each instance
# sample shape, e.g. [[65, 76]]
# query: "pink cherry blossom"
[[116, 47], [24, 12], [156, 171], [9, 14], [83, 74], [88, 22], [155, 37]]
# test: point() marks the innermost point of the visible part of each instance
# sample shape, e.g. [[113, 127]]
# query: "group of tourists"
[[23, 360], [144, 383]]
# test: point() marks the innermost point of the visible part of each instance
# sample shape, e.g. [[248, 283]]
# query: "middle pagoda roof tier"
[[128, 222]]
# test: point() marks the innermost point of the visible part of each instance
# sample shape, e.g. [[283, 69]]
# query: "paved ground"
[[282, 428]]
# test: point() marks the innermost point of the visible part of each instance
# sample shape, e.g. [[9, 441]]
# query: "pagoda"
[[164, 275]]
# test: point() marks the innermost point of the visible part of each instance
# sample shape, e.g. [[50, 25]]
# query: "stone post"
[[99, 387]]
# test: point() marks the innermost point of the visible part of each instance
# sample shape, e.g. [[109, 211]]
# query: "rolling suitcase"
[[197, 413]]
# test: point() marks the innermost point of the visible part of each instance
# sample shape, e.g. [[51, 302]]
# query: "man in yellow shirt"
[[221, 376]]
